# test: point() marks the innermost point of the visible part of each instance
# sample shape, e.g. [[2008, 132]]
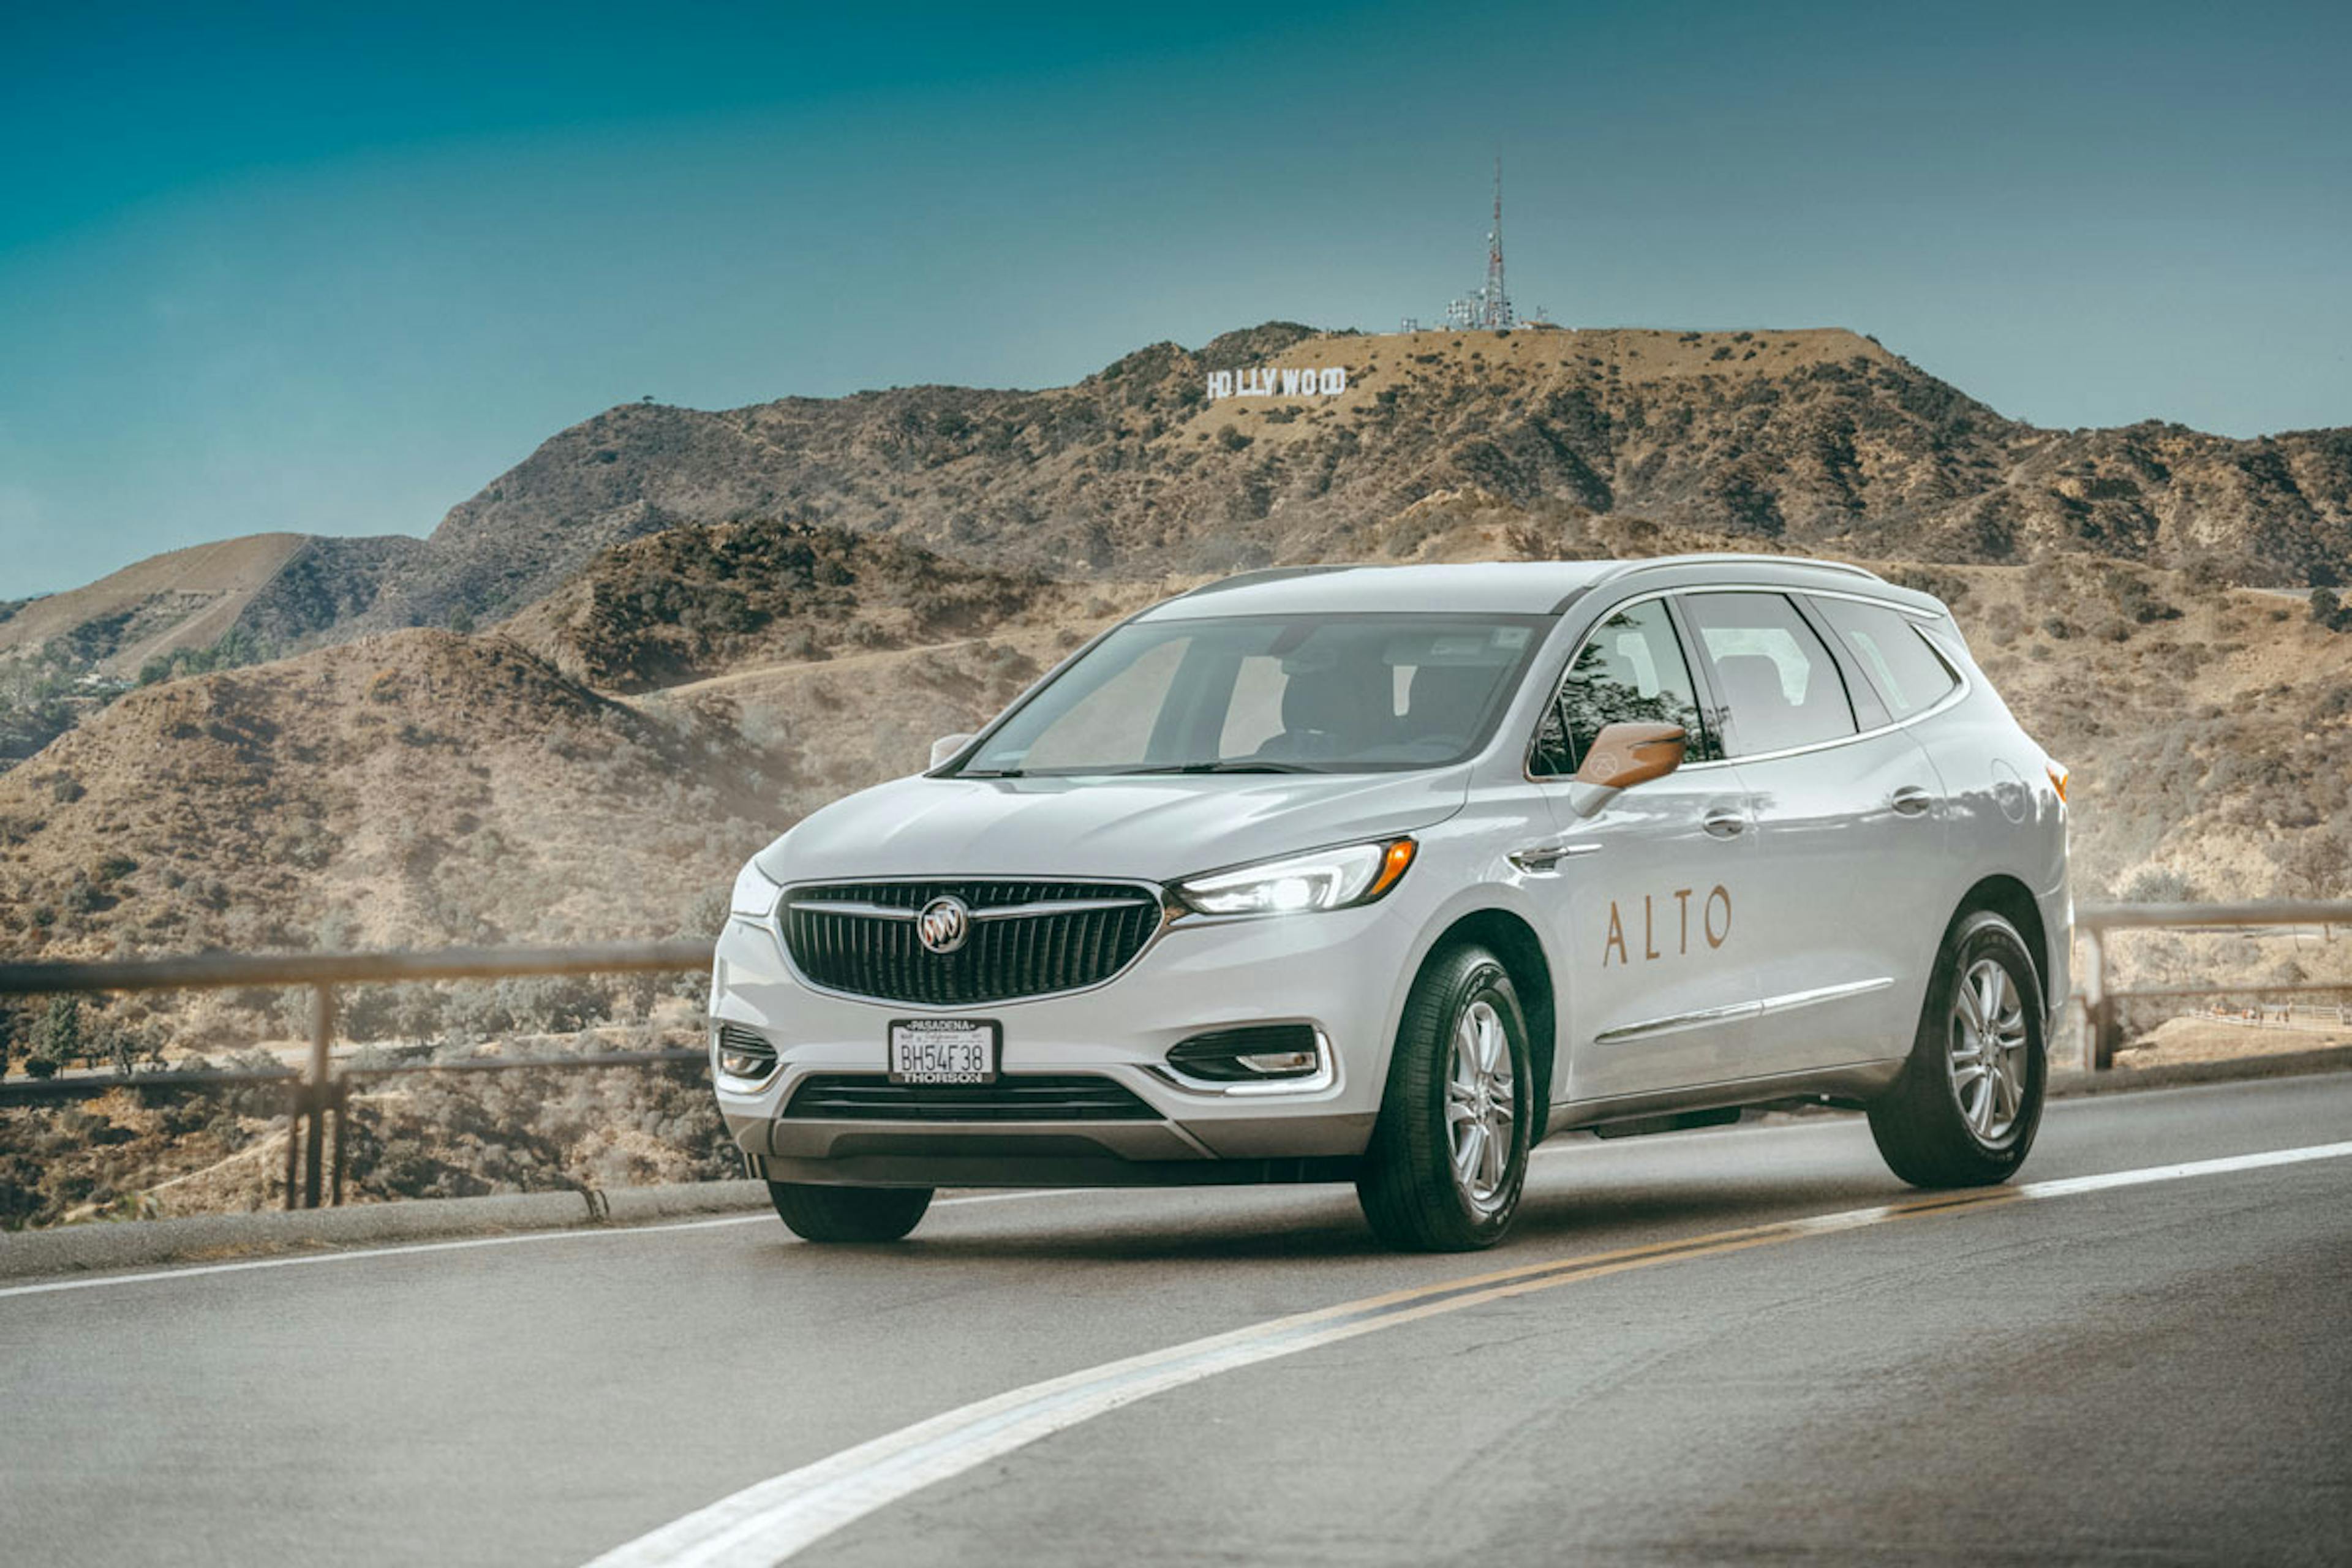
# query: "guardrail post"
[[2098, 1007], [315, 1095], [342, 1130], [295, 1097]]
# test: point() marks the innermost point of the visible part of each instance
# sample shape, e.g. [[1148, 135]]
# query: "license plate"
[[944, 1051]]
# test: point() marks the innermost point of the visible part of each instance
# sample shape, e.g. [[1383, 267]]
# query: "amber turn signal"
[[2059, 777], [1392, 866]]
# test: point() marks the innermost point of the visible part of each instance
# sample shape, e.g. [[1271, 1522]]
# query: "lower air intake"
[[1028, 1097]]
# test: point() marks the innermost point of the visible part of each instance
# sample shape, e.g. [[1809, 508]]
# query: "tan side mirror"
[[1625, 754], [946, 746]]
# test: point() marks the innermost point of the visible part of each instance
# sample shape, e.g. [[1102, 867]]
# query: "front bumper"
[[1338, 972]]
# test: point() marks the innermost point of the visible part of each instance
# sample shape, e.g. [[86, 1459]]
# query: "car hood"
[[1155, 827]]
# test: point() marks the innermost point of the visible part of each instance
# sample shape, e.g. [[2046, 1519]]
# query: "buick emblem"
[[944, 924]]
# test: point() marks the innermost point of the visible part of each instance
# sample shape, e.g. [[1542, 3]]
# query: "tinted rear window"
[[1893, 652]]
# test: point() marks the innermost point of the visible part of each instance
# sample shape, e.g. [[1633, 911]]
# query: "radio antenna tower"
[[1496, 302], [1490, 307]]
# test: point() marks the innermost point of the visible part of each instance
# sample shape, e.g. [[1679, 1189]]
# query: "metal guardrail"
[[2094, 923], [320, 1092]]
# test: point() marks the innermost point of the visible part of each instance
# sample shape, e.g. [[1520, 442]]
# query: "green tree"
[[2325, 609], [58, 1037]]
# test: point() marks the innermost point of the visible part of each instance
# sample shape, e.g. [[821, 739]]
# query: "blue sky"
[[315, 268]]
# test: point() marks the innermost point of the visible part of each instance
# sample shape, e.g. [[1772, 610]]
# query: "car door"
[[1848, 823], [1642, 893]]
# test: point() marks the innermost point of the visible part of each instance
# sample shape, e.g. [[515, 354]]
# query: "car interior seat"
[[1344, 708], [1760, 704], [1444, 702]]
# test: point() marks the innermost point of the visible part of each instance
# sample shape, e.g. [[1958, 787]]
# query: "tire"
[[848, 1214], [1461, 1011], [1935, 1125]]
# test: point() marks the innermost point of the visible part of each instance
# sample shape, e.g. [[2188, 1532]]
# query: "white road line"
[[353, 1254], [769, 1522]]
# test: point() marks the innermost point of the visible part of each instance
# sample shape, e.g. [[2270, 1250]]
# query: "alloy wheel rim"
[[1988, 1050], [1481, 1106]]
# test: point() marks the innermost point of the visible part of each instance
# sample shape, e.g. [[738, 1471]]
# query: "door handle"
[[1911, 800], [1724, 823], [1538, 859]]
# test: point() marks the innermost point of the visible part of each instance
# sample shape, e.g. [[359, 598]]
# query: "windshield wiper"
[[989, 773], [1230, 766]]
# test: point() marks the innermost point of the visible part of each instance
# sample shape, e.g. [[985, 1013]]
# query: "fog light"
[[745, 1053], [1262, 1052]]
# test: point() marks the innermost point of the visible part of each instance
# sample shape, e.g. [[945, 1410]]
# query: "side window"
[[1629, 671], [1778, 686], [1893, 654]]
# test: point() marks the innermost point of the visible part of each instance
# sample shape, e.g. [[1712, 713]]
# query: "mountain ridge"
[[1817, 437], [1814, 438]]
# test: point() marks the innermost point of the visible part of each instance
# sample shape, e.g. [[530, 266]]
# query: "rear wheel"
[[1966, 1108], [848, 1214], [1449, 1154]]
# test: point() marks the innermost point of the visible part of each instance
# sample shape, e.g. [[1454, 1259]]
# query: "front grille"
[[873, 951], [1031, 1097]]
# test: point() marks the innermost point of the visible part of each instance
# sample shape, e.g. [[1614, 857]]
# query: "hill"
[[188, 598], [702, 598], [424, 787], [1815, 439], [420, 787]]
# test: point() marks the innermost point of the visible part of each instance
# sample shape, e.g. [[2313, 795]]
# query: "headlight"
[[1324, 880], [754, 895]]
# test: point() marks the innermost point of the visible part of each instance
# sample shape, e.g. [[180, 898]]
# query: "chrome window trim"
[[774, 926], [1960, 693]]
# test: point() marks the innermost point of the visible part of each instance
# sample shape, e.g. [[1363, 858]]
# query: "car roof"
[[1500, 587]]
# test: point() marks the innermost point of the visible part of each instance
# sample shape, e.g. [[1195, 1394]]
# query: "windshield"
[[1323, 693]]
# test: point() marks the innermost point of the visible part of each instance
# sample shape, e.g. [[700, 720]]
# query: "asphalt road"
[[2156, 1371]]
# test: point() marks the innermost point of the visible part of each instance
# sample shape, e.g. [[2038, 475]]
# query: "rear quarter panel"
[[2003, 816]]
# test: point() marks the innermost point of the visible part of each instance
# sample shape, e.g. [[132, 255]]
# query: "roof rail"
[[1267, 575], [1627, 568]]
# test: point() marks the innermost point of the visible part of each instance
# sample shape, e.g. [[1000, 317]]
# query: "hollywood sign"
[[1268, 381]]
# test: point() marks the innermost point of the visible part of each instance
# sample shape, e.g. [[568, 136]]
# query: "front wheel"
[[1449, 1153], [848, 1214], [1965, 1110]]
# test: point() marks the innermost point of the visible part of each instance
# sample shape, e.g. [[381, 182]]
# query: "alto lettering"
[[1715, 925]]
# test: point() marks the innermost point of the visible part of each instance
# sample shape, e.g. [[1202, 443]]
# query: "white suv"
[[1385, 874]]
